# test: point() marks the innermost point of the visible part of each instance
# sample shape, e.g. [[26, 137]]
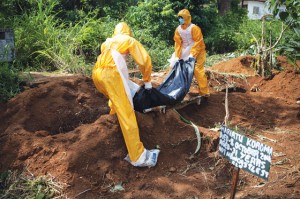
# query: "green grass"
[[15, 185]]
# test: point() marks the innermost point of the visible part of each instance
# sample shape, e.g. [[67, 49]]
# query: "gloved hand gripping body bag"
[[173, 89]]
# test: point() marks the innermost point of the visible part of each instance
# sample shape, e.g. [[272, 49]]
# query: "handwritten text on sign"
[[245, 153]]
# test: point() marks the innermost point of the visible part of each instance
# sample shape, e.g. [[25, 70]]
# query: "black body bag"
[[173, 89]]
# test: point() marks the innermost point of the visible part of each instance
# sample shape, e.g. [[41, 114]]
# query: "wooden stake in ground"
[[226, 107], [236, 172]]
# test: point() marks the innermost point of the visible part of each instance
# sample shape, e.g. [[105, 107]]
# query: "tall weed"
[[54, 45], [10, 81]]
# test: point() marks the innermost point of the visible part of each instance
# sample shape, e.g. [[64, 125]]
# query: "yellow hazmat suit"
[[189, 36], [109, 78]]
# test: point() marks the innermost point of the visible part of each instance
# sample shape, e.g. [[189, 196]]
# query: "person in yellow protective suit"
[[189, 43], [110, 76]]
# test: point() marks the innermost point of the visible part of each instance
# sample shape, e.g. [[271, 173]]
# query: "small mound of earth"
[[284, 85], [239, 65], [57, 106]]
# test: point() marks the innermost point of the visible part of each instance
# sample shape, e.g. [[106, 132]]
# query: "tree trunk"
[[224, 6]]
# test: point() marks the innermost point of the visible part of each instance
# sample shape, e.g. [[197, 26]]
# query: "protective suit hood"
[[122, 28], [185, 14]]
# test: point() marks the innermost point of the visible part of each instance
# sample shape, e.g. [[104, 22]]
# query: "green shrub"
[[160, 52], [155, 17], [291, 49], [243, 35], [290, 45], [221, 42], [9, 84], [221, 39]]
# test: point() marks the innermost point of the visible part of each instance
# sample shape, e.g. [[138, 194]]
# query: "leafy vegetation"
[[222, 38], [9, 84], [291, 17], [55, 45]]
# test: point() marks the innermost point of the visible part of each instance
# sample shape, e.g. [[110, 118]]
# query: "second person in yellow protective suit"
[[189, 43], [110, 76]]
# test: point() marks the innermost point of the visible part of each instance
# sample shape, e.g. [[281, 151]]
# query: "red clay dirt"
[[61, 126]]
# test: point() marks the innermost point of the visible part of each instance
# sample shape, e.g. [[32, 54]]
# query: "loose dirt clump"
[[61, 127]]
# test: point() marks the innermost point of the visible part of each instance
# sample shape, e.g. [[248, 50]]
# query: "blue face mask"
[[181, 20]]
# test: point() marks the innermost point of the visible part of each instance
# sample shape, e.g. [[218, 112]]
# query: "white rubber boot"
[[147, 159]]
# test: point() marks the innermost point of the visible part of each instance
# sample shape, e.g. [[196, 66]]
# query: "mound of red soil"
[[61, 126], [239, 65], [284, 84]]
